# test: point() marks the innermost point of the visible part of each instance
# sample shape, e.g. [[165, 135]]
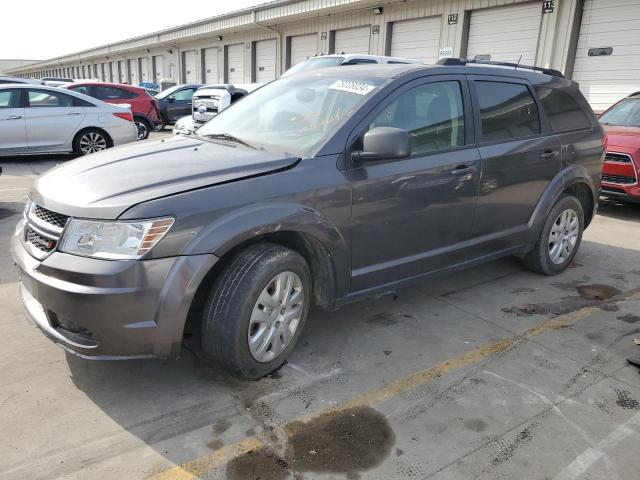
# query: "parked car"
[[7, 80], [152, 88], [319, 188], [208, 101], [621, 169], [334, 60], [40, 119], [145, 108], [60, 80], [175, 102]]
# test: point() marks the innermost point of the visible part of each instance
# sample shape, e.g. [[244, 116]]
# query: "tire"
[[233, 311], [545, 258], [143, 128], [91, 140]]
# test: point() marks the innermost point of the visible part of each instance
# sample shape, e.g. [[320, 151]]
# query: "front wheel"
[[256, 310], [560, 238]]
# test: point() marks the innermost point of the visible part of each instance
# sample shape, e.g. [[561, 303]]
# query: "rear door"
[[413, 215], [520, 155], [51, 118], [13, 135]]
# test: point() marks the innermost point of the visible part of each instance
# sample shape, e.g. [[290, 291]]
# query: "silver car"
[[40, 119]]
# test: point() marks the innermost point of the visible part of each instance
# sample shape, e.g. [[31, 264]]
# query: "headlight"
[[113, 240]]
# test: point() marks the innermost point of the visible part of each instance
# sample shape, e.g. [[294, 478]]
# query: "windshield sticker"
[[350, 86]]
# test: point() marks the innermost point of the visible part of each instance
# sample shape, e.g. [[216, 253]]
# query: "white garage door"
[[352, 40], [190, 67], [144, 70], [265, 66], [302, 47], [211, 65], [504, 34], [122, 74], [606, 79], [418, 39], [158, 62], [132, 63], [235, 63]]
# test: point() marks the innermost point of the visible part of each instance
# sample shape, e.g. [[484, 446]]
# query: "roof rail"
[[464, 61]]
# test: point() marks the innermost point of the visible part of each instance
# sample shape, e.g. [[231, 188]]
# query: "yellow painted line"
[[200, 466]]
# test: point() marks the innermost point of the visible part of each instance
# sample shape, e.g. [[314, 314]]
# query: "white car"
[[41, 119]]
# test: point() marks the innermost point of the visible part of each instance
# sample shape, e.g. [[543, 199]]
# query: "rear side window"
[[562, 109], [113, 93], [507, 111], [42, 98], [78, 102], [10, 99], [85, 89]]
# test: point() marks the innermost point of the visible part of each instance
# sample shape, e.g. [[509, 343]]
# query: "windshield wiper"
[[228, 138]]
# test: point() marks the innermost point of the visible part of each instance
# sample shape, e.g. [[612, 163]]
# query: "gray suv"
[[320, 188]]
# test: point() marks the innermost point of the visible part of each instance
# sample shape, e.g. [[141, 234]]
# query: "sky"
[[52, 29]]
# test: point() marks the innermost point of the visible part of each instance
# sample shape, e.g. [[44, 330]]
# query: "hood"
[[105, 184], [627, 137]]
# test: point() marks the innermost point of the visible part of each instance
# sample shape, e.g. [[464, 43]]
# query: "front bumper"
[[621, 192], [104, 309]]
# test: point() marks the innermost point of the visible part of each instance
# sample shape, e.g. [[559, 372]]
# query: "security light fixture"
[[377, 11]]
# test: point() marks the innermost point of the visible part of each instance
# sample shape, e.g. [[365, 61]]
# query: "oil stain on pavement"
[[340, 442]]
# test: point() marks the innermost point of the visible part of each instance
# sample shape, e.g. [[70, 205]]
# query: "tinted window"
[[83, 89], [78, 102], [562, 109], [113, 93], [359, 61], [431, 113], [507, 111], [42, 98], [9, 98], [184, 95]]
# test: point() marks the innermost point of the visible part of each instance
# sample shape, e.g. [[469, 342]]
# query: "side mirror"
[[171, 99], [383, 143]]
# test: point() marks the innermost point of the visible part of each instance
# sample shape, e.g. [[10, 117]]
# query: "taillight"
[[125, 116]]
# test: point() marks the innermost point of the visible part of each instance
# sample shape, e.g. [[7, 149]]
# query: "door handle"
[[74, 113], [189, 103], [462, 170], [14, 117], [548, 155]]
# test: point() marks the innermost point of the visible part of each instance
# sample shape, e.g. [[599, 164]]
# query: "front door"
[[13, 136], [520, 157], [411, 216], [180, 106], [51, 118]]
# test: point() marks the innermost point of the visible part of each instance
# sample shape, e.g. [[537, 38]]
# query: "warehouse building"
[[595, 42]]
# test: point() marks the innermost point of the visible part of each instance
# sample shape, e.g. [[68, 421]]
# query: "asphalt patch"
[[597, 292], [258, 465], [346, 442]]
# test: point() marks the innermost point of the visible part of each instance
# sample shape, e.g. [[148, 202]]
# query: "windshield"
[[314, 63], [296, 114], [167, 92], [625, 114]]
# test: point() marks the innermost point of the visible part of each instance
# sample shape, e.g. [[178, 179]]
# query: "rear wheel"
[[89, 141], [256, 310], [560, 238]]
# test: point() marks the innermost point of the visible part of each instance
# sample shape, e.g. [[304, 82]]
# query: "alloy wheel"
[[143, 130], [276, 316], [92, 142], [563, 236]]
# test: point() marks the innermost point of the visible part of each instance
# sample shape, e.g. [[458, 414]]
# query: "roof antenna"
[[518, 64]]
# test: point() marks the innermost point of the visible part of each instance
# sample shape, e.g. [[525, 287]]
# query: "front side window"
[[624, 114], [10, 99], [295, 114], [563, 111], [184, 95], [507, 111], [42, 98], [431, 113]]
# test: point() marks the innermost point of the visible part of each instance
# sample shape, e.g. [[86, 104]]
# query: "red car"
[[621, 168], [145, 108]]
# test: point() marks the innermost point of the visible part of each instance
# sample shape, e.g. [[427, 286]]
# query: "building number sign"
[[547, 6]]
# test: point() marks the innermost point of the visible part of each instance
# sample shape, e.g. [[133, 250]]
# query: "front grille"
[[39, 241], [617, 157], [50, 217], [619, 179]]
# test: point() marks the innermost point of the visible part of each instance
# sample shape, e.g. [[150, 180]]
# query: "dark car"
[[321, 188], [175, 102], [145, 108]]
